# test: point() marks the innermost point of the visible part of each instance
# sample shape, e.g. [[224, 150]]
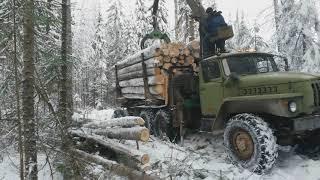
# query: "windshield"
[[251, 64]]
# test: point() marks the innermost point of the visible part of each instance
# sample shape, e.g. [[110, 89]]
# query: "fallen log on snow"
[[134, 133], [128, 121], [133, 154], [113, 166]]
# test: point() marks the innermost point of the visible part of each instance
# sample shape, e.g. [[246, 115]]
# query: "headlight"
[[292, 106]]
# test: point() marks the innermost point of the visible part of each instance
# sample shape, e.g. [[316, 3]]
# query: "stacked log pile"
[[158, 60], [106, 136]]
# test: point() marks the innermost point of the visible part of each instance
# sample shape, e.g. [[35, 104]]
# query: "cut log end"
[[144, 135], [145, 159], [140, 121]]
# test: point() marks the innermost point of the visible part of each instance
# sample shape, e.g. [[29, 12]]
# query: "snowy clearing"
[[202, 157], [9, 168]]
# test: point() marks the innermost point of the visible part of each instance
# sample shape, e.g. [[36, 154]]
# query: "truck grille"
[[316, 92]]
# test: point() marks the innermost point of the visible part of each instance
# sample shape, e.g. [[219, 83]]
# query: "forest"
[[57, 62]]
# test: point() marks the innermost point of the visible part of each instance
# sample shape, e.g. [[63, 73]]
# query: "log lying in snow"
[[152, 80], [118, 148], [112, 166], [128, 121], [134, 133]]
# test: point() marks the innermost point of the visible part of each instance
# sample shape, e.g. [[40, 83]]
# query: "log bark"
[[113, 166], [152, 80], [149, 52], [157, 89], [128, 121], [150, 63], [138, 74], [134, 133], [139, 96], [118, 148]]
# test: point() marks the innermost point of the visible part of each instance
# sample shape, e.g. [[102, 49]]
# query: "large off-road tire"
[[163, 126], [148, 116], [250, 143]]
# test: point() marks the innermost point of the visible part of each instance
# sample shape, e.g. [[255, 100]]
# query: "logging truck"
[[249, 96]]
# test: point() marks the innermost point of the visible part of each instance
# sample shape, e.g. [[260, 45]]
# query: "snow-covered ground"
[[9, 168], [202, 157]]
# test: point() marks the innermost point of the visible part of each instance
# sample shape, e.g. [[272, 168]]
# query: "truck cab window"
[[251, 64], [210, 70]]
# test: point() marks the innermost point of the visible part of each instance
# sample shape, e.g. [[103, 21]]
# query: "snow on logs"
[[138, 156], [128, 121], [113, 166], [134, 133], [128, 128], [102, 136], [158, 59]]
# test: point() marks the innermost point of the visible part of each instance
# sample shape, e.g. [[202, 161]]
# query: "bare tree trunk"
[[186, 35], [17, 89], [191, 29], [277, 22], [317, 25], [49, 6], [304, 44], [65, 101], [28, 92], [176, 19]]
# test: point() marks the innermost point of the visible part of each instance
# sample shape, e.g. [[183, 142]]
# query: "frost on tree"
[[298, 34], [245, 37]]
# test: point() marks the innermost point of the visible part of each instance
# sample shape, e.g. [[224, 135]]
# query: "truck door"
[[211, 89]]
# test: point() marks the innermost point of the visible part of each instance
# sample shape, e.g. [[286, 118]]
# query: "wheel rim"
[[243, 144]]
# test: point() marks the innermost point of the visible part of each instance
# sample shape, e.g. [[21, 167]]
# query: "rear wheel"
[[163, 126], [250, 143], [148, 116]]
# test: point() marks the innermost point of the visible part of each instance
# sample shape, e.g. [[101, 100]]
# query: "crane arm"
[[197, 9]]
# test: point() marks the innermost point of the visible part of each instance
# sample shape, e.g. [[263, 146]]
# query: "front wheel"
[[250, 143]]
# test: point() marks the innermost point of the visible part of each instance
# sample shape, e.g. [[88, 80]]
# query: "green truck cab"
[[257, 105]]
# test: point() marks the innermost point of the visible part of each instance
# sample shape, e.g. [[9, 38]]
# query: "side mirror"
[[233, 78]]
